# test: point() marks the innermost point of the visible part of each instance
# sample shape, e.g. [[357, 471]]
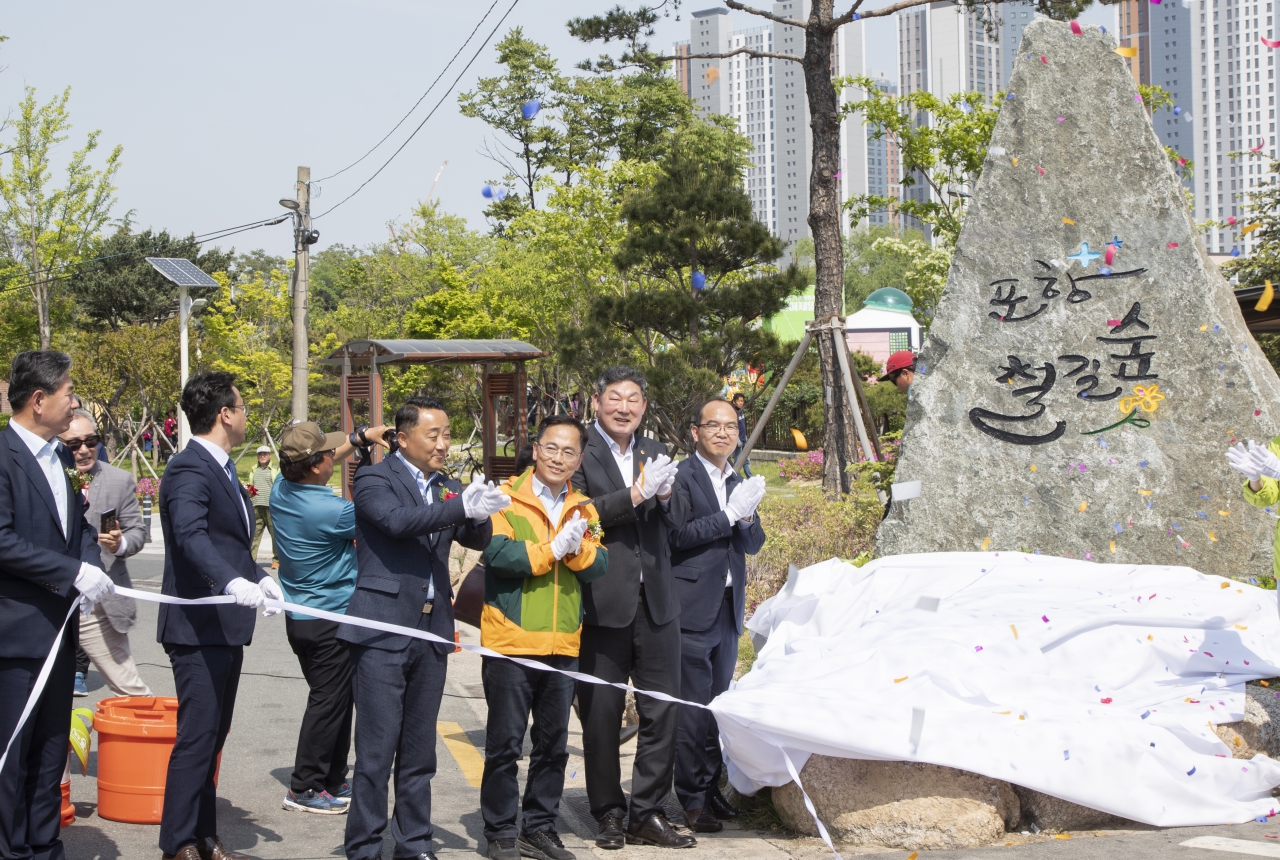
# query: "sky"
[[216, 105]]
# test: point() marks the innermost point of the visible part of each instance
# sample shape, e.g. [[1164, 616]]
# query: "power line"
[[420, 98], [427, 117]]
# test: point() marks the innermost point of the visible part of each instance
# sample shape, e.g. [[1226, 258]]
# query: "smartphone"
[[109, 521]]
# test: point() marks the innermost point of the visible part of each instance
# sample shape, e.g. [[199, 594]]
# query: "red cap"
[[900, 360]]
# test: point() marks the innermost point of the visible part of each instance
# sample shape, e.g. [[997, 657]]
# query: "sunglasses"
[[76, 444]]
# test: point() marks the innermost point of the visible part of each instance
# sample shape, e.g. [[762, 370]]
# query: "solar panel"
[[182, 272]]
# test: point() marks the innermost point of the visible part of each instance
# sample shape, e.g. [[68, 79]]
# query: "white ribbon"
[[370, 624]]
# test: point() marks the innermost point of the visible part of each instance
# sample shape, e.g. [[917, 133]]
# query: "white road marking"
[[1237, 846]]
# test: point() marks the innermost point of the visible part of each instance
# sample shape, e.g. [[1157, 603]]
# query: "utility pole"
[[301, 248]]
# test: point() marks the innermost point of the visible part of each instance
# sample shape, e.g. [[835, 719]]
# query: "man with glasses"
[[207, 522], [104, 634], [408, 513], [315, 532], [541, 553], [631, 627], [709, 560]]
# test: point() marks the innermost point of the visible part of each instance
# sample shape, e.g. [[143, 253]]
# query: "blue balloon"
[[530, 109], [699, 280]]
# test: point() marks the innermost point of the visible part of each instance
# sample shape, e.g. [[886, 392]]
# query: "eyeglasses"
[[234, 408], [715, 427], [90, 442], [554, 452]]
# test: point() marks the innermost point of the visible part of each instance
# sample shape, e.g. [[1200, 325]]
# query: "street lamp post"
[[185, 274]]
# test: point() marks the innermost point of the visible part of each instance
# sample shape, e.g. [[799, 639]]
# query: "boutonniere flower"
[[595, 529], [446, 494], [79, 480], [252, 490]]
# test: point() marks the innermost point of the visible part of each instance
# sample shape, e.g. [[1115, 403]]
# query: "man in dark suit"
[[408, 513], [630, 626], [709, 560], [207, 521], [49, 556]]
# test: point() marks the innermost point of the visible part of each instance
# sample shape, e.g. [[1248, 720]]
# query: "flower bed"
[[807, 467]]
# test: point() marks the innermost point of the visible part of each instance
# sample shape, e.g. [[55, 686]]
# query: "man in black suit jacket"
[[630, 622], [709, 559], [49, 556], [207, 521], [408, 513]]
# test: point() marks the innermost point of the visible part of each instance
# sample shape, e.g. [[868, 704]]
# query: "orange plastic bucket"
[[68, 810], [135, 740]]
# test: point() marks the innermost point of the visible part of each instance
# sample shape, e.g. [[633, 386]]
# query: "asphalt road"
[[259, 758]]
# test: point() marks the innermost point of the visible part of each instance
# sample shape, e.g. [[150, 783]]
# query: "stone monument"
[[1088, 365]]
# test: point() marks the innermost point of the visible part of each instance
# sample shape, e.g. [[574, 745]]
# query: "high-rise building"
[[882, 161], [1233, 84]]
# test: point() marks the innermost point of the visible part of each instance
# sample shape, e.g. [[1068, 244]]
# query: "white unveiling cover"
[[1096, 683]]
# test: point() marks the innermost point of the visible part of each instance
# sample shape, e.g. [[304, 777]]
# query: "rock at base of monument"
[[898, 804], [1259, 731], [1053, 814]]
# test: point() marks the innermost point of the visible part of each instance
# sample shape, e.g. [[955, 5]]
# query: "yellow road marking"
[[470, 760]]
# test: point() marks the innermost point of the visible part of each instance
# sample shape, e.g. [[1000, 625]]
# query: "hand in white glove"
[[1263, 461], [271, 591], [742, 504], [654, 474], [568, 541], [1241, 459], [668, 485], [93, 585], [482, 500], [245, 592]]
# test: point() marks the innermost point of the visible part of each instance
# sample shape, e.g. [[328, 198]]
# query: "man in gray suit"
[[104, 635]]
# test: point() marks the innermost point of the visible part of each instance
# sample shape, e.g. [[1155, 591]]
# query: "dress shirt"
[[425, 485], [554, 506], [719, 481], [624, 459], [47, 459], [223, 459]]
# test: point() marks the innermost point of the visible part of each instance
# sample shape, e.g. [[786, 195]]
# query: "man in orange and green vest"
[[544, 546]]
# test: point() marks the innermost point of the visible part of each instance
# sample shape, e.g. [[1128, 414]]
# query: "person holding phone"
[[113, 508]]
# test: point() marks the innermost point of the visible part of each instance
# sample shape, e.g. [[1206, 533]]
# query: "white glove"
[[669, 484], [654, 474], [482, 500], [93, 585], [568, 541], [1240, 459], [742, 504], [271, 591], [1263, 461], [245, 592]]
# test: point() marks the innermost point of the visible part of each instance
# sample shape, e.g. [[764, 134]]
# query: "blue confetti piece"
[[1009, 96], [1146, 714], [1177, 111], [1166, 669], [1204, 498], [1025, 500], [1202, 515], [1066, 755], [494, 192], [1261, 819], [922, 369], [1084, 394], [1142, 464], [1118, 528], [1116, 240], [699, 280], [857, 17], [1190, 772], [1151, 504], [530, 109], [1253, 580], [1235, 252], [1103, 443], [1037, 552], [1244, 347], [1217, 329], [1105, 270], [1102, 28], [1178, 528], [1097, 688]]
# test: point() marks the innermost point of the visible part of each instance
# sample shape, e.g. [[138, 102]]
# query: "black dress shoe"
[[610, 835], [702, 821], [654, 829], [213, 849], [188, 852], [720, 807]]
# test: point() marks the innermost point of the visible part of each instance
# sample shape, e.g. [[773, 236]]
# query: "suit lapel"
[[703, 480], [407, 479], [604, 457], [27, 462], [239, 499]]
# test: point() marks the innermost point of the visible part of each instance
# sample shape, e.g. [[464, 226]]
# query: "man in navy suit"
[[49, 556], [207, 521], [709, 560], [408, 513]]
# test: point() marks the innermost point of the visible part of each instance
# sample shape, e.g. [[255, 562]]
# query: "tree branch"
[[750, 52], [751, 10], [882, 12]]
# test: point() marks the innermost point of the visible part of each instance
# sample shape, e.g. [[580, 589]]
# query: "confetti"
[[1105, 270], [1110, 254], [1235, 252], [1245, 231], [914, 855], [1137, 97], [1256, 413], [1066, 755], [1231, 220], [1015, 161], [1142, 464], [1113, 546], [1061, 118], [1044, 618], [1204, 327], [1075, 28], [1202, 515], [494, 192], [1146, 714], [1009, 96], [1044, 59], [1268, 293], [1212, 537], [1257, 148], [977, 647], [698, 280], [1145, 492], [1150, 638], [1171, 244], [1014, 628], [530, 109], [1041, 169], [1088, 555], [1224, 513], [1127, 52], [1118, 528], [1068, 221], [986, 542], [1226, 585], [900, 680], [1102, 28], [1068, 835], [1177, 110], [1265, 683], [1261, 819], [1113, 323], [1084, 506], [997, 150], [713, 75], [1033, 467], [1242, 627], [1106, 701]]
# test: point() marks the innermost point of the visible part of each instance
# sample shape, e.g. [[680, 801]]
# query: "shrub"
[[806, 467], [803, 527], [147, 487]]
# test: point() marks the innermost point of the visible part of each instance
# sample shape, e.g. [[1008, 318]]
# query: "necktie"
[[231, 473]]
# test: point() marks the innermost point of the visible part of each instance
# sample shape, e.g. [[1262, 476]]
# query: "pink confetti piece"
[[1270, 43], [1045, 60], [1109, 254], [1061, 118], [1257, 148], [977, 647], [1107, 700], [1044, 618], [1171, 244], [1088, 555], [1113, 323], [1041, 169], [1182, 162], [1257, 412], [1137, 97], [1207, 654], [1152, 597], [1075, 28]]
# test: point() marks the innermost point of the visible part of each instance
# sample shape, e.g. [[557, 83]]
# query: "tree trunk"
[[42, 309], [824, 227]]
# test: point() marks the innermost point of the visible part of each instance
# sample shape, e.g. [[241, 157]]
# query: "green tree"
[[870, 266], [45, 230], [121, 288], [707, 275]]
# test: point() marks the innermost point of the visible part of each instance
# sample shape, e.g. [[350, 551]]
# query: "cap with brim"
[[263, 449], [300, 441], [900, 360]]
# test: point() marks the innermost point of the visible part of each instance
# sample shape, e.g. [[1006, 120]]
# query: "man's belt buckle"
[[427, 608]]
